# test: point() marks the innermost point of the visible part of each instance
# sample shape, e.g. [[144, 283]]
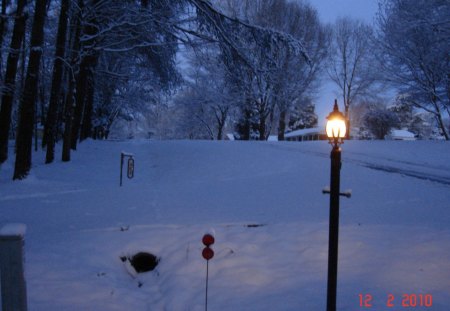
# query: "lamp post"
[[336, 130]]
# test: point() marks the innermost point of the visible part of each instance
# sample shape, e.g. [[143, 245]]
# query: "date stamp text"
[[405, 300]]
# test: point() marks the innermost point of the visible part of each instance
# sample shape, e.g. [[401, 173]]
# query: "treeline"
[[405, 51], [65, 57], [75, 66], [77, 69], [270, 90]]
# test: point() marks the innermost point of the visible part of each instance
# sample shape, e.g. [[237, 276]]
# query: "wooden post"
[[13, 287]]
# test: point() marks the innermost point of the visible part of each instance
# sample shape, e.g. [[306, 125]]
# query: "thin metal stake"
[[206, 296]]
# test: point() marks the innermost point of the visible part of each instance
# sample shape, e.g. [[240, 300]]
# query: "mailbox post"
[[130, 165]]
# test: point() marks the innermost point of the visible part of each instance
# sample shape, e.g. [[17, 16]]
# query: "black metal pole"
[[334, 228], [121, 168]]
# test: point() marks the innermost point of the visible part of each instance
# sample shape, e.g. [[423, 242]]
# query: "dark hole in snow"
[[255, 225], [144, 262]]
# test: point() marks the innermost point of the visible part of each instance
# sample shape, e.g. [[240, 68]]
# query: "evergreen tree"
[[302, 116]]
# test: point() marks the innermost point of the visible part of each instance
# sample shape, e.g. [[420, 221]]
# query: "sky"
[[329, 11]]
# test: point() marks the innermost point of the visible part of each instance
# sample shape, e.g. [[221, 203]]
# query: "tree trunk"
[[82, 88], [24, 140], [246, 131], [10, 79], [51, 121], [262, 128], [219, 132], [262, 124], [3, 26], [347, 120], [447, 81], [221, 119], [440, 121], [220, 125], [269, 130], [282, 125], [87, 67], [68, 112], [86, 127], [70, 98]]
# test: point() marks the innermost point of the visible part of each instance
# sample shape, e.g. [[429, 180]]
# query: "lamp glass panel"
[[336, 129]]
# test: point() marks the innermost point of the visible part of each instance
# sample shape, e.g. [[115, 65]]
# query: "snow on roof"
[[402, 133], [308, 131]]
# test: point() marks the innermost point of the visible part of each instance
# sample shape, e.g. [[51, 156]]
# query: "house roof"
[[303, 132], [401, 134]]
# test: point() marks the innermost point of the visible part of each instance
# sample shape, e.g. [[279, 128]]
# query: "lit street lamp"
[[336, 130]]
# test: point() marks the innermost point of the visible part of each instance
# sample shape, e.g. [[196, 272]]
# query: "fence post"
[[14, 292]]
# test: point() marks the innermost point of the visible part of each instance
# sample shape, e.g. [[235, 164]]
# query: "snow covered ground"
[[264, 202]]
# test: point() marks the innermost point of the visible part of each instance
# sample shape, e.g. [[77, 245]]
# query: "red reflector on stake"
[[207, 253], [208, 239]]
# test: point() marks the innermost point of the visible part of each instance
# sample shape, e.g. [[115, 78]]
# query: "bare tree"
[[3, 25], [380, 121], [146, 31], [351, 59], [211, 96], [415, 41], [74, 44], [276, 76], [55, 93], [299, 80], [85, 76], [24, 138], [10, 78]]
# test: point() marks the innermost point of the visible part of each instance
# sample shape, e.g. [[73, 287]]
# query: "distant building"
[[315, 133], [400, 135]]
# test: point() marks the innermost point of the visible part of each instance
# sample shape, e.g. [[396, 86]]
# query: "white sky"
[[329, 11]]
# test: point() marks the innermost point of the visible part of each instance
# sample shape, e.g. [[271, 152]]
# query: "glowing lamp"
[[336, 127]]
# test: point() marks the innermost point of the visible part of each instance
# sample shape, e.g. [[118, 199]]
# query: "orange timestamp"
[[405, 300]]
